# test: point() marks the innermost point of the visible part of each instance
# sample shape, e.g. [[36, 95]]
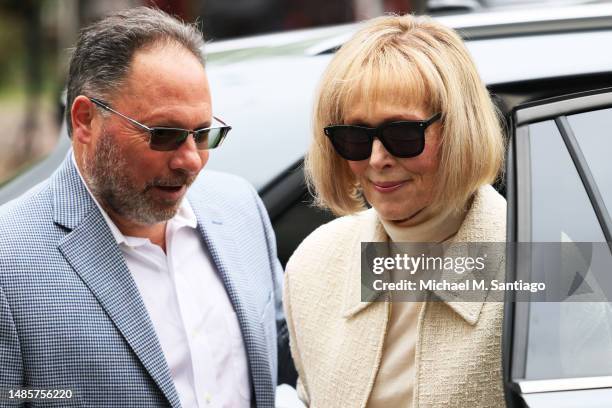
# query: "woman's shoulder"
[[346, 225], [491, 199], [491, 206], [485, 221]]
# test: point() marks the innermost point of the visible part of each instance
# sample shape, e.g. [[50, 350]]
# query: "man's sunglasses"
[[405, 138], [168, 138]]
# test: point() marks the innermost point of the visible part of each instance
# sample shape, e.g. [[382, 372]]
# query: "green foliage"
[[11, 52], [15, 57]]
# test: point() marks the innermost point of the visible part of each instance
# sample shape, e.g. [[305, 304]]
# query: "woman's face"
[[399, 189]]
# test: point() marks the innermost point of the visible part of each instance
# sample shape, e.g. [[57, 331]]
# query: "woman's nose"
[[380, 157]]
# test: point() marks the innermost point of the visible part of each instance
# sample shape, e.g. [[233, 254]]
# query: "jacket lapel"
[[219, 240], [93, 253], [373, 231], [472, 232]]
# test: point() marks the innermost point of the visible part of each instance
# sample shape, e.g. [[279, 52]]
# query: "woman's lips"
[[388, 186]]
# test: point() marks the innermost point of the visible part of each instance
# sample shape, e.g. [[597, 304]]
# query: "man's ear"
[[82, 117]]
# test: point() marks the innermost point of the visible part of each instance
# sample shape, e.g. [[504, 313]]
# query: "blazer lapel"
[[218, 238], [91, 250], [371, 231], [485, 238]]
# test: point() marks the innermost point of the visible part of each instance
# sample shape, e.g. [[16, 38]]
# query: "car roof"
[[478, 25], [264, 86], [511, 30]]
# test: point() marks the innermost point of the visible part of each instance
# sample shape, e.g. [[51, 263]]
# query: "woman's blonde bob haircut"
[[420, 63]]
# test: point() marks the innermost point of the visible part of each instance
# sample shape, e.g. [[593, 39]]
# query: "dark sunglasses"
[[405, 138], [168, 138]]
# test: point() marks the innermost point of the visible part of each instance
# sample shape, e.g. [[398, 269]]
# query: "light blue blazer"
[[70, 312]]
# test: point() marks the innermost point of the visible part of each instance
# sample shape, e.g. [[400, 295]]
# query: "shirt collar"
[[184, 217]]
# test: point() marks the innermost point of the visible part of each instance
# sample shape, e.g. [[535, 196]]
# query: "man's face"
[[166, 86]]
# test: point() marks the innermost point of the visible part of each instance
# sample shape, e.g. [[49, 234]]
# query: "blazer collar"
[[71, 200], [92, 251], [477, 227], [219, 238], [371, 230], [90, 248]]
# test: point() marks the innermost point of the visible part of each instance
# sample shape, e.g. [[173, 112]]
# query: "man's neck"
[[156, 233]]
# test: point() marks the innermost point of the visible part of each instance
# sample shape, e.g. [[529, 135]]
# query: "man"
[[117, 285]]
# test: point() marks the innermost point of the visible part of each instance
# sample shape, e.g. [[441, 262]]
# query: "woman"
[[425, 167]]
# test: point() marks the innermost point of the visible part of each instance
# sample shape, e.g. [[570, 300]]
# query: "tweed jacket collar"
[[471, 230]]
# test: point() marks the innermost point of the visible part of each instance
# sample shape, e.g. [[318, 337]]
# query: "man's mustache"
[[171, 181]]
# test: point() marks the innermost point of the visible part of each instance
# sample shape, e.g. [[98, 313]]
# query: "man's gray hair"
[[105, 49]]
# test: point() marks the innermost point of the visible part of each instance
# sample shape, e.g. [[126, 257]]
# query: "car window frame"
[[518, 173]]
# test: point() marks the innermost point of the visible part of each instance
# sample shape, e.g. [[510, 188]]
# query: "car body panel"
[[264, 86]]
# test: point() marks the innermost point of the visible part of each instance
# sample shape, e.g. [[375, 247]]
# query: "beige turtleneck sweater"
[[394, 382]]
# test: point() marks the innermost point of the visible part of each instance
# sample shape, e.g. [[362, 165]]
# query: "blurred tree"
[[406, 6], [315, 13], [181, 8], [237, 18], [365, 9], [27, 12]]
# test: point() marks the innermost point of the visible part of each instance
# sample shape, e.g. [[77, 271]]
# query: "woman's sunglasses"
[[167, 138], [405, 138]]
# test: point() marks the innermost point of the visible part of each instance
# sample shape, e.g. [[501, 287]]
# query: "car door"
[[559, 188]]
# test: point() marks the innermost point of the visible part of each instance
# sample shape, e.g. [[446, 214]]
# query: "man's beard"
[[108, 177]]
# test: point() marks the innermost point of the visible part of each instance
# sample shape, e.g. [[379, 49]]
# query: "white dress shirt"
[[191, 312]]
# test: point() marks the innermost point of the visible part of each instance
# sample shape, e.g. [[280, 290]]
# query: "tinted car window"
[[593, 130], [565, 339], [560, 207]]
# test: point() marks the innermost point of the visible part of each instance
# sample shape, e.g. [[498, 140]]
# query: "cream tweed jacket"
[[337, 340]]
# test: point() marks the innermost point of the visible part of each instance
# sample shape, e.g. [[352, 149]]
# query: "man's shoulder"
[[26, 220], [27, 208], [214, 187]]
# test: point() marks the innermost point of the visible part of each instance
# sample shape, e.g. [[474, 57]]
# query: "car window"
[[560, 207], [593, 130], [565, 339]]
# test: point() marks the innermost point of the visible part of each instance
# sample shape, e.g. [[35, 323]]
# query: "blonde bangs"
[[390, 76]]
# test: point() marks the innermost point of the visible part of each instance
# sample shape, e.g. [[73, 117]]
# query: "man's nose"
[[380, 157], [188, 158]]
